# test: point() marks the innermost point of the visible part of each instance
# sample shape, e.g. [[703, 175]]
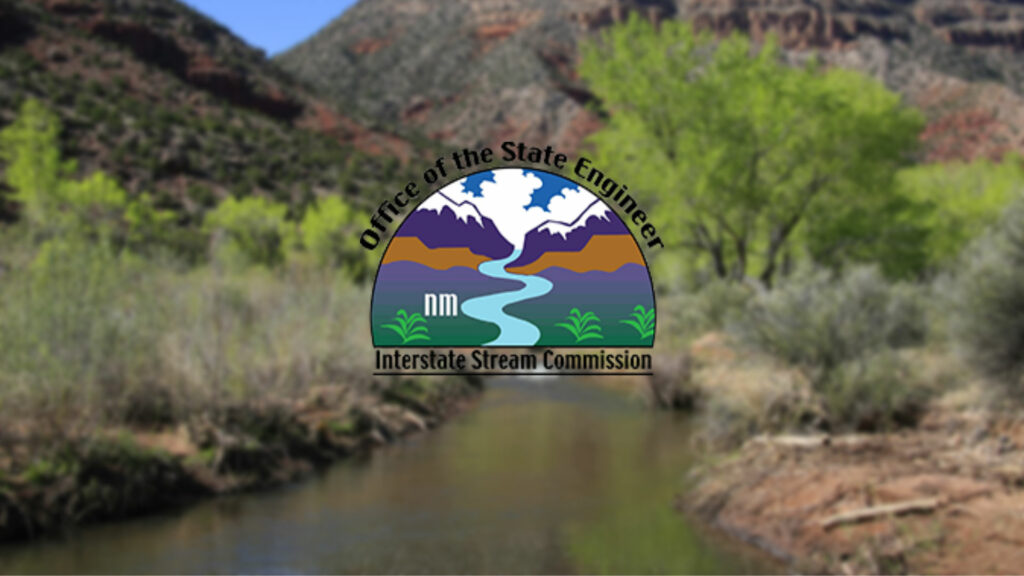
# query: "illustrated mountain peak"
[[518, 201], [597, 209], [464, 211]]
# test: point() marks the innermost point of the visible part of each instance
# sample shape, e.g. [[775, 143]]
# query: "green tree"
[[254, 227], [93, 206], [330, 232], [965, 200], [147, 225], [30, 146], [758, 161], [53, 203]]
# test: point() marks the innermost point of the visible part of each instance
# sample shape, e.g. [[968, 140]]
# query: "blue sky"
[[274, 25]]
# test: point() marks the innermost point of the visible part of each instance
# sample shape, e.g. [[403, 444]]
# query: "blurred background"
[[840, 300]]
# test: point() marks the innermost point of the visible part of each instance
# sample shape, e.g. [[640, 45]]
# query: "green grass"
[[583, 327], [642, 321], [409, 328]]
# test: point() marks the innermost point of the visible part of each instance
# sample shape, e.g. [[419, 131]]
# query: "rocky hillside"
[[172, 103], [480, 71]]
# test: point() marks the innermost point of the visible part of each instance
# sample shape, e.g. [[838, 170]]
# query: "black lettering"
[[369, 239], [510, 151]]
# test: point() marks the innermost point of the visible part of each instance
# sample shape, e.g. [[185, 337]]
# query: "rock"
[[147, 44], [672, 386], [941, 54], [56, 54]]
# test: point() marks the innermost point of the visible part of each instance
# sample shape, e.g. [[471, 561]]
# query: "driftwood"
[[894, 509], [810, 441], [792, 441]]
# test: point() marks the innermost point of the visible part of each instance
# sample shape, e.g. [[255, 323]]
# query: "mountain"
[[443, 223], [482, 71], [597, 211], [170, 102], [463, 211], [572, 236]]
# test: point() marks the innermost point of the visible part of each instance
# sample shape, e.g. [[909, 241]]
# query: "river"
[[540, 476], [491, 308]]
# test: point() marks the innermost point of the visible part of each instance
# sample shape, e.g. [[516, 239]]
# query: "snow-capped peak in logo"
[[598, 209], [464, 211], [504, 200]]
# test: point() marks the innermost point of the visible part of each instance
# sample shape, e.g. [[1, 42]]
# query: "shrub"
[[877, 392], [73, 334], [711, 308], [90, 337], [987, 300], [255, 229], [843, 332], [756, 398], [258, 335], [819, 322]]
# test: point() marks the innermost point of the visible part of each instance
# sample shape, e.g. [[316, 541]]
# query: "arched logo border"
[[647, 268]]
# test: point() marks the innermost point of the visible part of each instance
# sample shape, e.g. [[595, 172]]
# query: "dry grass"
[[92, 339]]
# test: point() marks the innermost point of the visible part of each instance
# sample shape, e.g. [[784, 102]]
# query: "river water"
[[541, 476], [491, 308]]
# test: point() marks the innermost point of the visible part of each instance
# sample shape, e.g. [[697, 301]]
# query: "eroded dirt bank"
[[118, 473], [947, 497]]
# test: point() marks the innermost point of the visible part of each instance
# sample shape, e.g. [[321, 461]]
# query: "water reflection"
[[551, 477]]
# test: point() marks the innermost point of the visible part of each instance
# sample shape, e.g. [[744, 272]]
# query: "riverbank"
[[125, 472], [539, 477], [942, 493], [945, 498]]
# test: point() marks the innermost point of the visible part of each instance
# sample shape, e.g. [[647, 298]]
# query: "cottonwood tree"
[[757, 160], [55, 204]]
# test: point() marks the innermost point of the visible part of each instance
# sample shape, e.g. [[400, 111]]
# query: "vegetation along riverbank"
[[146, 362], [116, 473], [847, 324]]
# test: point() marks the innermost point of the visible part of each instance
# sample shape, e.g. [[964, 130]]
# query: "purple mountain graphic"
[[446, 230], [539, 242]]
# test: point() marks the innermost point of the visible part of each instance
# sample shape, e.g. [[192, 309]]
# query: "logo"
[[515, 258]]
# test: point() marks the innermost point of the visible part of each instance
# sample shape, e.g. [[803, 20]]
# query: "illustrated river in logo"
[[513, 257]]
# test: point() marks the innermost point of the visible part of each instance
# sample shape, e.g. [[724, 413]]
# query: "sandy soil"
[[947, 497]]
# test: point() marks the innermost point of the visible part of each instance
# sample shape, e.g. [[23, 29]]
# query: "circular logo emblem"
[[513, 257]]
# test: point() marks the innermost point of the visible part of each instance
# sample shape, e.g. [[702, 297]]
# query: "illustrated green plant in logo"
[[407, 328], [642, 321], [582, 326]]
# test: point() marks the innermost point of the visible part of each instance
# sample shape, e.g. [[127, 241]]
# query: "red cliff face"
[[495, 68], [144, 42], [197, 67], [830, 23]]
